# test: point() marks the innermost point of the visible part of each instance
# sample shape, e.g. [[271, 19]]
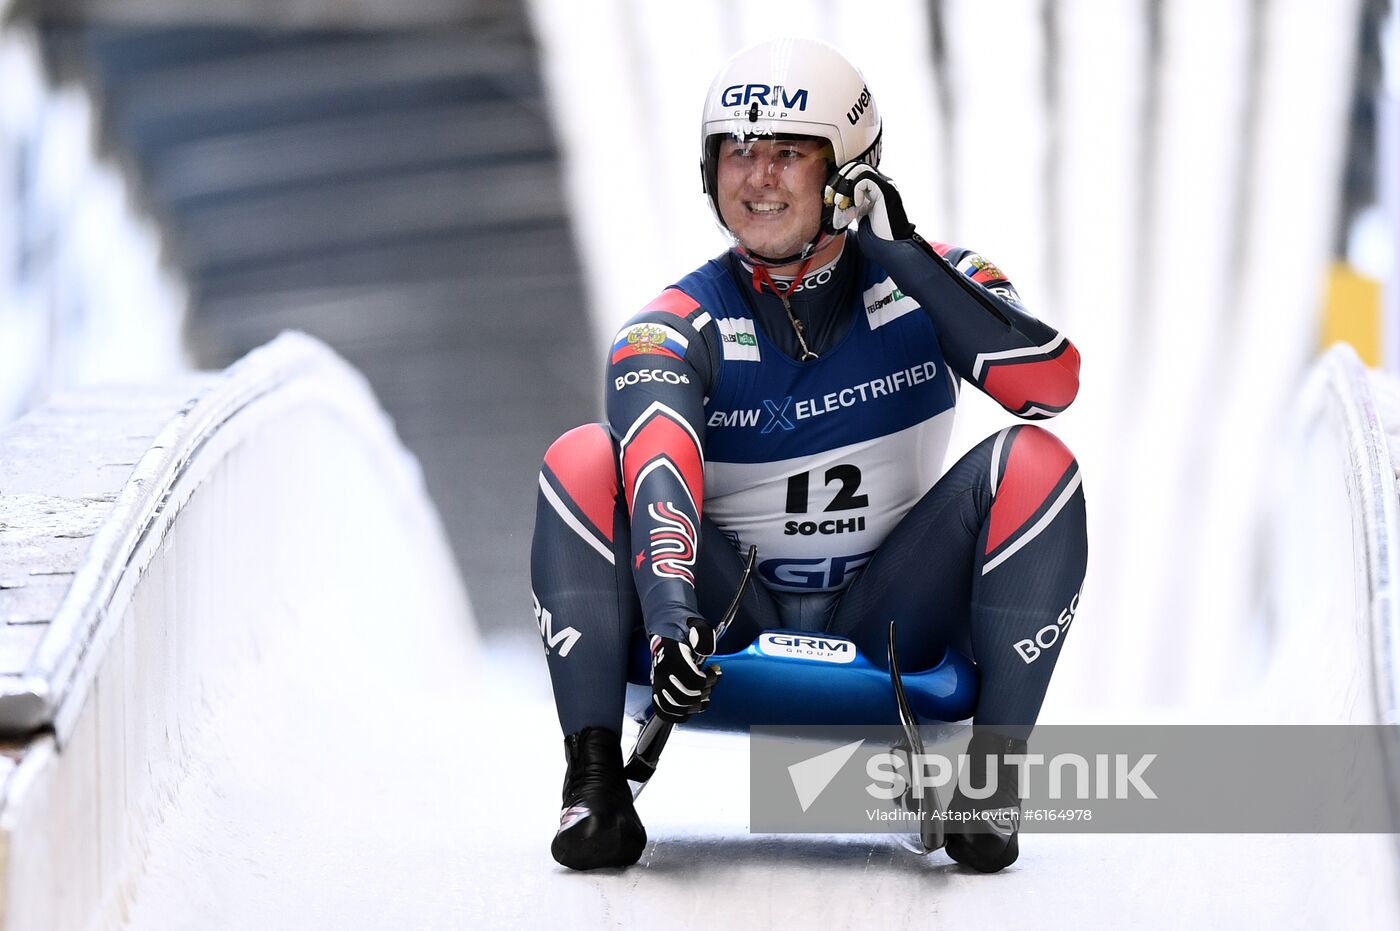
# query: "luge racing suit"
[[718, 438]]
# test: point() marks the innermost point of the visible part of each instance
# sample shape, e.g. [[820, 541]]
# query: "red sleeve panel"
[[658, 372], [1031, 383], [987, 335], [660, 438]]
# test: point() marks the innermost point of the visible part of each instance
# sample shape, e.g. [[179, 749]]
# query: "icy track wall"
[[1333, 566], [1331, 571], [156, 548]]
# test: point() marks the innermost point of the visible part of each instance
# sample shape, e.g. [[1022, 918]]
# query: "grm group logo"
[[765, 95], [825, 648], [563, 639]]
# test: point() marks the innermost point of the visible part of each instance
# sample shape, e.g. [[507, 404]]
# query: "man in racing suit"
[[796, 394]]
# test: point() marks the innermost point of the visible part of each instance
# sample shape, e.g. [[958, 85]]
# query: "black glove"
[[680, 684], [859, 191]]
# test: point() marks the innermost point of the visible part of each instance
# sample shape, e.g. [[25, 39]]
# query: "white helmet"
[[790, 87]]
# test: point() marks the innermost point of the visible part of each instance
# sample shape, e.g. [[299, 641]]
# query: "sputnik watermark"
[[1102, 776], [1101, 779]]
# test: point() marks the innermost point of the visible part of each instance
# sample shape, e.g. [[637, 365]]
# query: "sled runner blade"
[[641, 766], [931, 833]]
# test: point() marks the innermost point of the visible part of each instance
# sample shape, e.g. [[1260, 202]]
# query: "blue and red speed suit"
[[718, 438]]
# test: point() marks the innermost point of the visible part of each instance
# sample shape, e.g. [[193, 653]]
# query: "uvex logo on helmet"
[[765, 95], [859, 106]]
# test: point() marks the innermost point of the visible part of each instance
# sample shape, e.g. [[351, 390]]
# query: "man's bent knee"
[[1033, 477], [581, 468]]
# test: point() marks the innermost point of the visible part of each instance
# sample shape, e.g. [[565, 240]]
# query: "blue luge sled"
[[800, 677]]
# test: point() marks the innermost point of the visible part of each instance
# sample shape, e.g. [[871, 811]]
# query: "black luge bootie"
[[985, 838], [598, 826]]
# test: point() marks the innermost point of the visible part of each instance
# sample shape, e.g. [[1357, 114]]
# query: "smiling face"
[[770, 192]]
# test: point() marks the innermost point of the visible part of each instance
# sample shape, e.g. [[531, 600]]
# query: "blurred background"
[[466, 198]]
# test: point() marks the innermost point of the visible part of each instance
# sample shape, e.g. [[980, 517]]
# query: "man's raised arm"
[[988, 337]]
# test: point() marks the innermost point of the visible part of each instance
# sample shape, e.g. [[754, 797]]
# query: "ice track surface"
[[328, 813], [285, 719], [338, 810]]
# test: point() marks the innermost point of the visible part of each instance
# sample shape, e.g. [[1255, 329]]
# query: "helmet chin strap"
[[817, 243]]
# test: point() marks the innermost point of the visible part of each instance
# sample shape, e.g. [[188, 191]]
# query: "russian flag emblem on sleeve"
[[654, 339]]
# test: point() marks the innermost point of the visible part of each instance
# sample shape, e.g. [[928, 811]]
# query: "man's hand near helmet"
[[976, 309], [860, 192]]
